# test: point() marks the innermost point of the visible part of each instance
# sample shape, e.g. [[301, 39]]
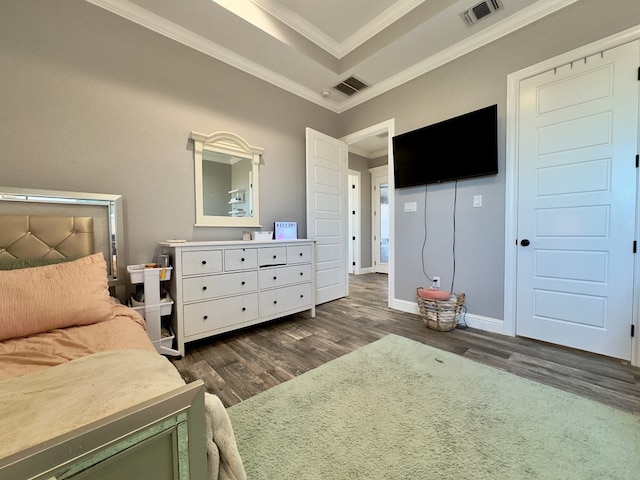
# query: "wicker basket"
[[441, 315]]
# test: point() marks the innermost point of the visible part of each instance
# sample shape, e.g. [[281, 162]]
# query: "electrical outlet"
[[436, 282]]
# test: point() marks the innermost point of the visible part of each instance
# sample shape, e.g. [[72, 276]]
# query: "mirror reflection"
[[226, 180], [226, 185]]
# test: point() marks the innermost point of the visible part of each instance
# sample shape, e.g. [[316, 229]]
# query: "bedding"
[[56, 401], [71, 355], [126, 330]]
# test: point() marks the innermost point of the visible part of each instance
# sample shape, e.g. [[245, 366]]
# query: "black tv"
[[460, 147]]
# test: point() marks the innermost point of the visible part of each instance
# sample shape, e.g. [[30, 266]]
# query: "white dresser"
[[221, 286]]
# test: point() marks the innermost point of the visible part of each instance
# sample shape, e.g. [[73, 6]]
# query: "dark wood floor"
[[238, 365]]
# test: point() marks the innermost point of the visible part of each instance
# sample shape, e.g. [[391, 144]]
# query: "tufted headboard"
[[45, 236], [51, 224]]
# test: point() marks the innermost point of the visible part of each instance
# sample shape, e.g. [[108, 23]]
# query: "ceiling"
[[309, 46]]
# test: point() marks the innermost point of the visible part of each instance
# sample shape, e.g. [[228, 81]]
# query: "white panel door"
[[353, 209], [327, 159], [576, 205]]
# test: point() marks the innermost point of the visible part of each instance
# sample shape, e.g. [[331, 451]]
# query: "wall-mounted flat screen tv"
[[460, 147]]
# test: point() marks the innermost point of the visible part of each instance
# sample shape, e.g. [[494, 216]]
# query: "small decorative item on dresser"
[[259, 235], [437, 312]]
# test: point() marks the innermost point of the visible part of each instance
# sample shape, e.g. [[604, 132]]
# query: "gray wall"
[[468, 83], [92, 102]]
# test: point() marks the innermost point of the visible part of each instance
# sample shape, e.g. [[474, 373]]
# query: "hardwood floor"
[[241, 364]]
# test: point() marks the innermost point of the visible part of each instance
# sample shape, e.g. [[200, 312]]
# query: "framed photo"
[[286, 230]]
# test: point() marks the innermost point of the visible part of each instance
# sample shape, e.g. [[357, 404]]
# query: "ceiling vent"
[[350, 86], [480, 11]]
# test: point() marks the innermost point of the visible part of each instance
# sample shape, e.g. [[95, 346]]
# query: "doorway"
[[382, 134], [380, 219]]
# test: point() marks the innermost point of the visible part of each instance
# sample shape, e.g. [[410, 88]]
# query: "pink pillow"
[[41, 299], [433, 294]]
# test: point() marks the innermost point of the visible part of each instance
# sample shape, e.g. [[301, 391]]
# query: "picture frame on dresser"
[[221, 286]]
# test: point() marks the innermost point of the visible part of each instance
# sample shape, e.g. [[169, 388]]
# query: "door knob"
[[525, 242]]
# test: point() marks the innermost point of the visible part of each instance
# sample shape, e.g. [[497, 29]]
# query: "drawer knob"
[[301, 273], [244, 309], [275, 256], [205, 317], [301, 296], [204, 287], [275, 301], [275, 278], [243, 282], [242, 259], [204, 262], [300, 254]]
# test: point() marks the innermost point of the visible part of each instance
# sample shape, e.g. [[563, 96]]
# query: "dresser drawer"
[[273, 256], [240, 259], [213, 315], [299, 254], [279, 300], [279, 276], [212, 286], [201, 262]]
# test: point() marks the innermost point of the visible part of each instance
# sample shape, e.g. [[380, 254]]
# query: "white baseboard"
[[362, 271], [472, 320]]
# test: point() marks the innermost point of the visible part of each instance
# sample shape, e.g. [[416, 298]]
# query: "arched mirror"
[[226, 180]]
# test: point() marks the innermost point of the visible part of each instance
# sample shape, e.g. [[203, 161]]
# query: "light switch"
[[410, 207], [477, 200]]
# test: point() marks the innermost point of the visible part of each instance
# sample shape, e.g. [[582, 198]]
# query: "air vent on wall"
[[480, 11], [350, 86]]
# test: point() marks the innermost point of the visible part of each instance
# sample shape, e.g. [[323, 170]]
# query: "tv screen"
[[460, 147]]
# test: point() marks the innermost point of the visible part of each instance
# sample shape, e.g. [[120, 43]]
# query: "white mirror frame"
[[230, 144]]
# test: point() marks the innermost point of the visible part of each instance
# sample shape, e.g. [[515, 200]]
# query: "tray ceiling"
[[308, 46]]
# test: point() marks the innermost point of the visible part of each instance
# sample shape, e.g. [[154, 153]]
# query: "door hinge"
[[637, 160], [353, 263], [353, 212], [635, 246], [633, 330], [353, 238], [639, 74], [353, 186]]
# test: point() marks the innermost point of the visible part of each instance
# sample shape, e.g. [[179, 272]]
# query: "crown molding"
[[337, 49], [498, 30], [160, 25], [175, 32]]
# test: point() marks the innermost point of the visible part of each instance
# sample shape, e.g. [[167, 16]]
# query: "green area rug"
[[397, 409]]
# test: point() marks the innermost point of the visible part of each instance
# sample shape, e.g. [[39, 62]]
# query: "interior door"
[[327, 160], [576, 205], [380, 218], [353, 235]]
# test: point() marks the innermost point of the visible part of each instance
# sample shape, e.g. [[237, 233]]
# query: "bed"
[[83, 391]]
